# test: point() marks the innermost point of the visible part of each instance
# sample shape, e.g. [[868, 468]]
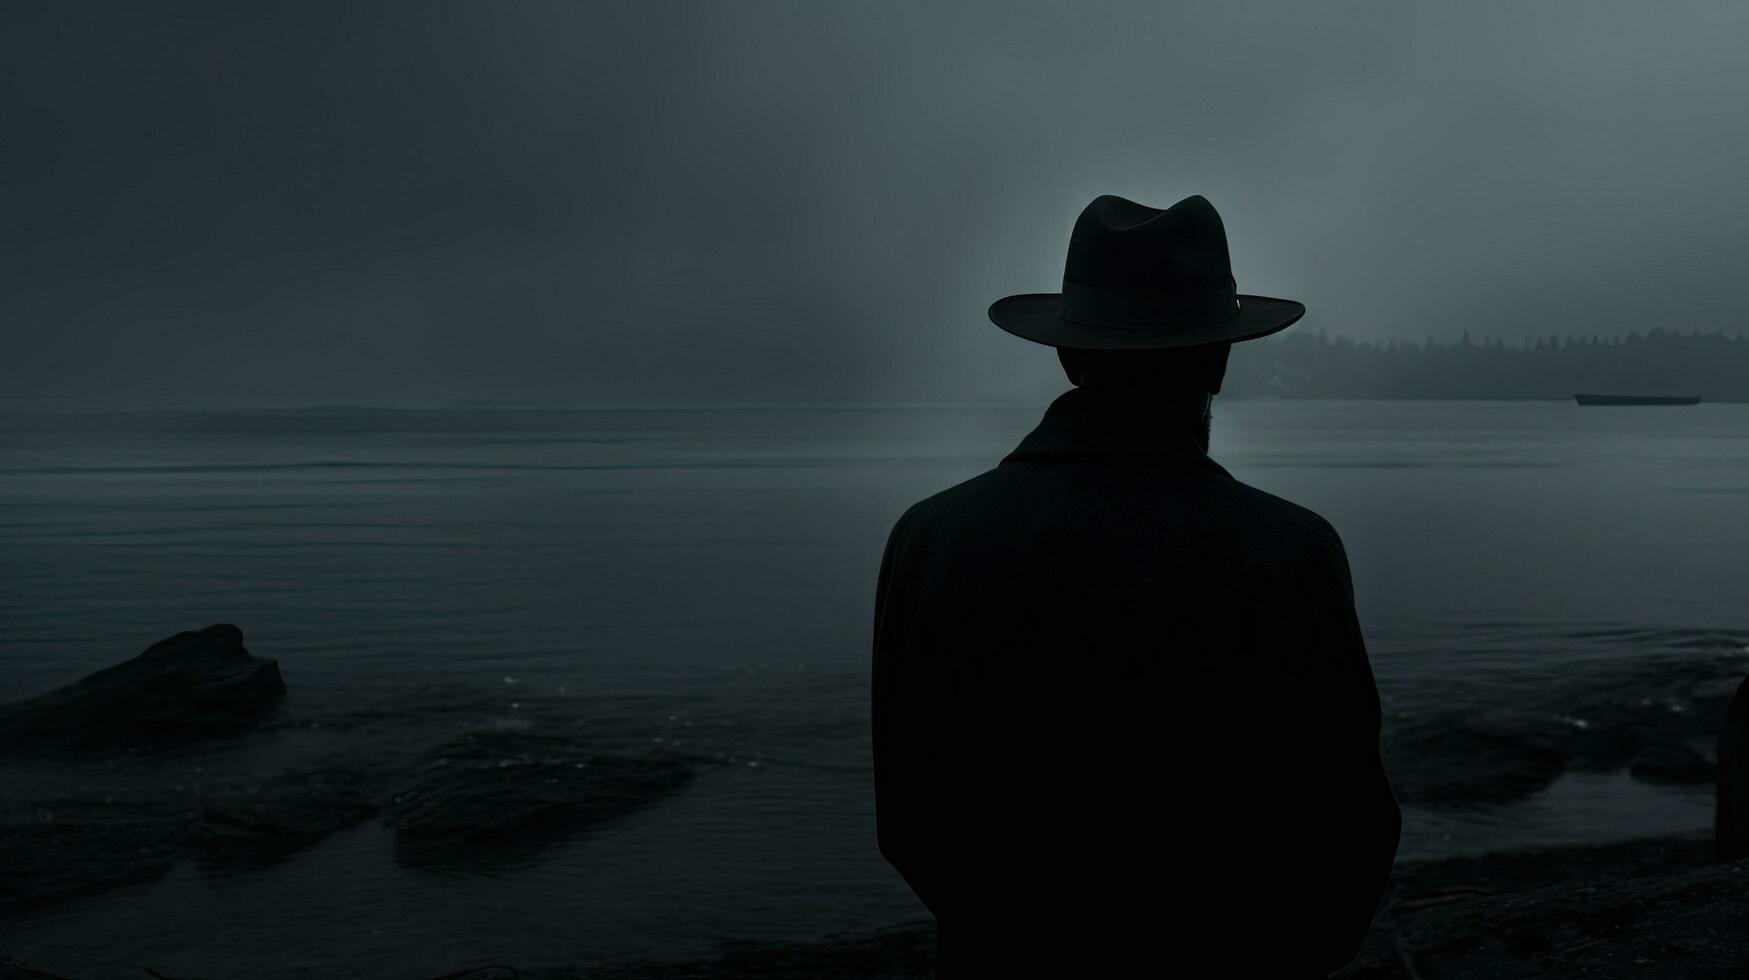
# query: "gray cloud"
[[666, 202]]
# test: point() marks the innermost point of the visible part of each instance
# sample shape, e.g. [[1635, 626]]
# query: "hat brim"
[[1033, 316]]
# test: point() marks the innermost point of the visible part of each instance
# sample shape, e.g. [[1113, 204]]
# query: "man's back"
[[1123, 711]]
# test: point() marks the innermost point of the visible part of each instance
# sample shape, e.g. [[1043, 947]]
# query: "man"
[[1124, 722]]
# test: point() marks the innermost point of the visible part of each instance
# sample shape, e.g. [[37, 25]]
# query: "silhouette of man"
[[1124, 721]]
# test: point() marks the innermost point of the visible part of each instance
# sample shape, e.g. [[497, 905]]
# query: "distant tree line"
[[1311, 364]]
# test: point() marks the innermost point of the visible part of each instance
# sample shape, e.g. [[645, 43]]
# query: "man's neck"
[[1171, 412], [1085, 424]]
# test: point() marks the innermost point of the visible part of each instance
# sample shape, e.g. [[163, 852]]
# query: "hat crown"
[[1133, 265], [1118, 243]]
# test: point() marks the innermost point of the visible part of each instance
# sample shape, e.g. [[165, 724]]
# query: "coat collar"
[[1083, 424]]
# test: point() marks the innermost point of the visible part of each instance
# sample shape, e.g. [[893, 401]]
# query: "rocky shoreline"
[[188, 742], [1655, 907]]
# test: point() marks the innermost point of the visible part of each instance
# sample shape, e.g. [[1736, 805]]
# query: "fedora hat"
[[1140, 278]]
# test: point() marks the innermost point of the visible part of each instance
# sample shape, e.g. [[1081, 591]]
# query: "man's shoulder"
[[949, 501], [1284, 519]]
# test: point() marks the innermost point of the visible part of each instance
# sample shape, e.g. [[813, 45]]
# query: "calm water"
[[709, 573]]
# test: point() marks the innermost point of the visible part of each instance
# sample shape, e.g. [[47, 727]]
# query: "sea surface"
[[708, 574]]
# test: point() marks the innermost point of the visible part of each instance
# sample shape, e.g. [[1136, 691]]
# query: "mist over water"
[[704, 578]]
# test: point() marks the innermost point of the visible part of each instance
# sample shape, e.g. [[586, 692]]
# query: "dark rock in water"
[[194, 684], [1489, 745], [1605, 748], [258, 824], [61, 847], [519, 788], [48, 857], [1441, 764], [1675, 763], [1731, 805]]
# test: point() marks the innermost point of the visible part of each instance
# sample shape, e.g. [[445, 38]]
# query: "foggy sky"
[[598, 203]]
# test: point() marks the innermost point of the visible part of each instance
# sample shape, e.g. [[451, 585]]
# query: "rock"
[[51, 856], [261, 823], [1465, 764], [59, 848], [1675, 763], [1599, 716], [192, 685], [1604, 749], [1731, 804], [521, 788]]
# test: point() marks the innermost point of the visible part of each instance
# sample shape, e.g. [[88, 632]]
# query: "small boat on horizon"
[[1637, 399]]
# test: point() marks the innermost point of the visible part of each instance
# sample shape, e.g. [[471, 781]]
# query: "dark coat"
[[1123, 714]]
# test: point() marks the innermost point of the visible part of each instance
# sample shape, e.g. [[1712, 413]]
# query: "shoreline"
[[206, 761], [1651, 907], [1580, 911]]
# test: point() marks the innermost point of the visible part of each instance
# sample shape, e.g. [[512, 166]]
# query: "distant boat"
[[1637, 399]]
